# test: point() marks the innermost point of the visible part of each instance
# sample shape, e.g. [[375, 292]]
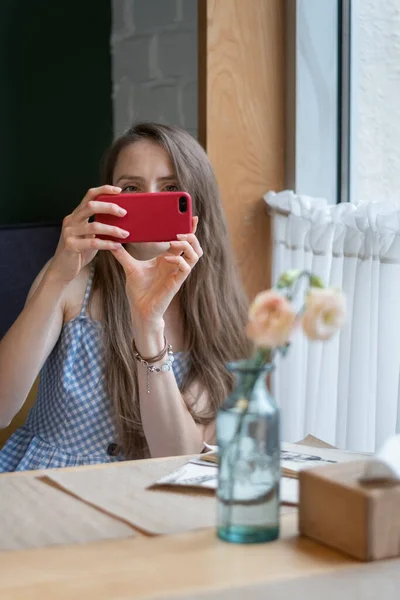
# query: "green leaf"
[[316, 281], [288, 278]]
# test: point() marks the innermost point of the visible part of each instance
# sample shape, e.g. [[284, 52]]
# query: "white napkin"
[[385, 464]]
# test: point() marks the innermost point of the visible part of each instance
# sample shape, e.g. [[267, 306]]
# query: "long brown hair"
[[213, 305]]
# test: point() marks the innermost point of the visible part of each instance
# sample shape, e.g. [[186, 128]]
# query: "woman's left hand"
[[152, 284]]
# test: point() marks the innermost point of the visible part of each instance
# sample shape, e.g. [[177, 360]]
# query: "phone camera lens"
[[183, 204]]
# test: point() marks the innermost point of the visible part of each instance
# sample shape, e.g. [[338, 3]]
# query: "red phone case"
[[150, 217]]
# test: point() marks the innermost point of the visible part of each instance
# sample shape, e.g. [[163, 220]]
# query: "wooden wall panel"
[[241, 119]]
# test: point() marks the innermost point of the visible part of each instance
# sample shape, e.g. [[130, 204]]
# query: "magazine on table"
[[202, 472], [295, 457]]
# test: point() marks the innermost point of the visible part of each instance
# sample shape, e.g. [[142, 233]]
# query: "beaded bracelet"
[[150, 368]]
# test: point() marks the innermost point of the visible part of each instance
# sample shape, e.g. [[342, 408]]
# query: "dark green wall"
[[55, 105]]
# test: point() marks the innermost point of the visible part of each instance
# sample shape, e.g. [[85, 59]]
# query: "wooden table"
[[191, 565]]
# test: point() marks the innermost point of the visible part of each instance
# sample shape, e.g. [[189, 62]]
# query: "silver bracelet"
[[166, 366]]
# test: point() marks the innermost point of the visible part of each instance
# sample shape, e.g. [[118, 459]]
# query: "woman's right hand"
[[78, 244]]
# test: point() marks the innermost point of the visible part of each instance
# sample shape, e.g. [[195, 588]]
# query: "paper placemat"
[[122, 491], [314, 442], [33, 514]]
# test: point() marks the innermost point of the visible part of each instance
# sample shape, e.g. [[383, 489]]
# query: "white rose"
[[271, 320], [324, 314]]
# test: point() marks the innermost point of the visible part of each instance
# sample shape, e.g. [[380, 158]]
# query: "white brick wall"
[[154, 62], [376, 88]]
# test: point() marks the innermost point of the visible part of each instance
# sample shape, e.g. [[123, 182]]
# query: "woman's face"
[[145, 167]]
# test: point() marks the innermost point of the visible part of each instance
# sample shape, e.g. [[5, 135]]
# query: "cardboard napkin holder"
[[338, 510]]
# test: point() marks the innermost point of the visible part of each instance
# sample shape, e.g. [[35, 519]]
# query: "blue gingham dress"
[[72, 421]]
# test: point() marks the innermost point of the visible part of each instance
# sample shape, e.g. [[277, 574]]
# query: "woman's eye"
[[171, 188], [130, 189]]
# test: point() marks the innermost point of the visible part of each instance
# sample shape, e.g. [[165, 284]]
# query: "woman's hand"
[[152, 284], [78, 244]]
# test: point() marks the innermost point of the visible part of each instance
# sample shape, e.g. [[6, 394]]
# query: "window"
[[343, 145], [343, 109]]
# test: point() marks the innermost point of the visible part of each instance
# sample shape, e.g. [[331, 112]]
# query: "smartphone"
[[157, 217]]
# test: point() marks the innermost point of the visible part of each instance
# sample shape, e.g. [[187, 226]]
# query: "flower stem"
[[313, 281], [262, 357]]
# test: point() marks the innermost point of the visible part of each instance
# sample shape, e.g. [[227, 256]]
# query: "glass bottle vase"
[[249, 459]]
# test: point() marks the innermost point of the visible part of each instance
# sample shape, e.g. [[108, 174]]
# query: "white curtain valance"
[[345, 391]]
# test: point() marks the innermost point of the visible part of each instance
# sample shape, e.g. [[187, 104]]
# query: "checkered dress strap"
[[87, 292]]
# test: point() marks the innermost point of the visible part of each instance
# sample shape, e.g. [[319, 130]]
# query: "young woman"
[[99, 308]]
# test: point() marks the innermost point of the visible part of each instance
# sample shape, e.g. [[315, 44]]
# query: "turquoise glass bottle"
[[249, 459]]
